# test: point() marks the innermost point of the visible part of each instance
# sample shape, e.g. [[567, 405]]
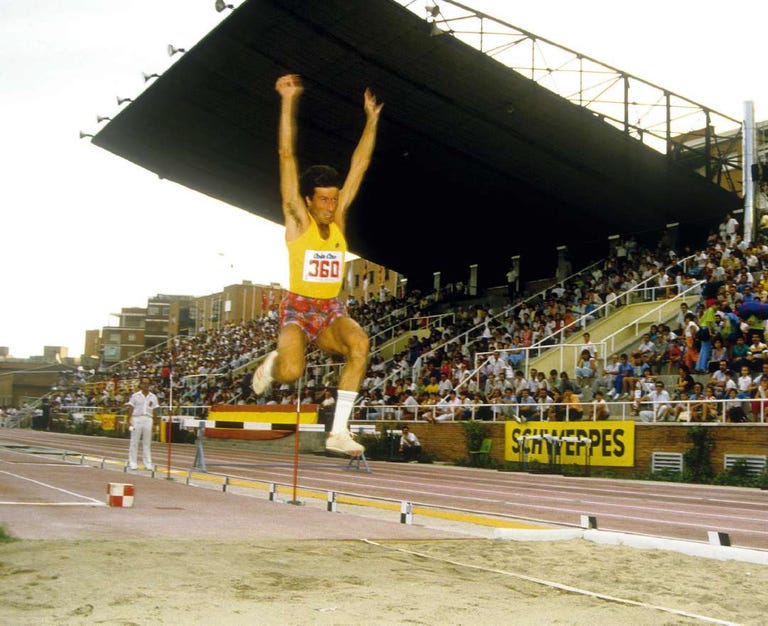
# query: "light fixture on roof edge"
[[173, 50], [221, 5], [435, 30], [148, 77], [433, 11], [84, 135], [121, 101], [102, 118]]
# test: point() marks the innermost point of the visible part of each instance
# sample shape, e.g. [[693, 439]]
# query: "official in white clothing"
[[141, 409]]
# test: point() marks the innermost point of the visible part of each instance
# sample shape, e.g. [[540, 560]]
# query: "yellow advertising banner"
[[609, 443], [107, 420]]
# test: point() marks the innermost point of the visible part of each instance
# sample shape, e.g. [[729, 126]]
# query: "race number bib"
[[322, 266]]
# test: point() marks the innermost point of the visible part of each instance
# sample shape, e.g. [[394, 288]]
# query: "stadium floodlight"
[[102, 118], [221, 5], [435, 30], [84, 135], [173, 50], [121, 101], [148, 77]]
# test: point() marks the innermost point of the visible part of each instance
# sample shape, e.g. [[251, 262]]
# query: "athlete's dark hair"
[[318, 176]]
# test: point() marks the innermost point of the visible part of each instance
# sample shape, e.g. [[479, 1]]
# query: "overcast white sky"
[[76, 239]]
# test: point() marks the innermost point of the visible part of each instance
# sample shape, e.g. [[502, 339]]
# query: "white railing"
[[680, 411]]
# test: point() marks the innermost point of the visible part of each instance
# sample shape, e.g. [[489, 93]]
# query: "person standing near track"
[[315, 209], [141, 410]]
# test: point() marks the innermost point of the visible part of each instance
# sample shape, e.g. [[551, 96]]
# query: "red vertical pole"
[[168, 428], [296, 444]]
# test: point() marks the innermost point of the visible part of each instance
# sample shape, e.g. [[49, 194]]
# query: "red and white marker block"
[[120, 495]]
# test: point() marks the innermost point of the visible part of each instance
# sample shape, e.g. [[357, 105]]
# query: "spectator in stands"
[[544, 400], [600, 410], [720, 378], [409, 406], [327, 407], [565, 382], [526, 409], [756, 353], [706, 333], [586, 368], [606, 379], [745, 386], [739, 354], [734, 408], [639, 370], [761, 405], [692, 409], [690, 334], [684, 383], [569, 407], [660, 402], [445, 385], [588, 344], [624, 369], [719, 355]]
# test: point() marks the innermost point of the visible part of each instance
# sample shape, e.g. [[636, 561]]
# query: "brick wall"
[[446, 441]]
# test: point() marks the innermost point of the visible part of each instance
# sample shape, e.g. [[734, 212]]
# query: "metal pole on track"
[[296, 445]]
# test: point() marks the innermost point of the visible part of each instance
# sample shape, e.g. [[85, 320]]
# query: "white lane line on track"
[[52, 503], [56, 465], [53, 487], [628, 493], [366, 481], [556, 585], [729, 516], [635, 518]]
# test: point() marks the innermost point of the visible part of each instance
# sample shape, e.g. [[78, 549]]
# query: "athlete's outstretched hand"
[[289, 85], [372, 106]]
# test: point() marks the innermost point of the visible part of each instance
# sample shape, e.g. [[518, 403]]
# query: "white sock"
[[344, 402]]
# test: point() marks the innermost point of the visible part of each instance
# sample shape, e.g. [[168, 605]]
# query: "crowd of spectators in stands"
[[435, 377]]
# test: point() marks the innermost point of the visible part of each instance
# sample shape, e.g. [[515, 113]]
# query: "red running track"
[[670, 510]]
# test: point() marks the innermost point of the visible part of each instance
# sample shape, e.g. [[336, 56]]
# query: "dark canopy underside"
[[473, 164]]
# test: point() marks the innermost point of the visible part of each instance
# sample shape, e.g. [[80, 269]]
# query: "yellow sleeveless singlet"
[[317, 265]]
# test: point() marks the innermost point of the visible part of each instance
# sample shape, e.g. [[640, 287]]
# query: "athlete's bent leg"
[[291, 348], [285, 364], [345, 337]]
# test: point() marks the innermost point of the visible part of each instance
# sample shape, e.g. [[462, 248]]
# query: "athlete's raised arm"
[[294, 209], [361, 157]]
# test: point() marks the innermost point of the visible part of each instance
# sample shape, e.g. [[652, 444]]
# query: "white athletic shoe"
[[343, 444], [262, 377]]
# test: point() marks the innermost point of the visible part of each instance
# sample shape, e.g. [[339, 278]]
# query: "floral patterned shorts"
[[312, 315]]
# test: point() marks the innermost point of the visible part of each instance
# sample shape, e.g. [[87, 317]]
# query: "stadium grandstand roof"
[[474, 161]]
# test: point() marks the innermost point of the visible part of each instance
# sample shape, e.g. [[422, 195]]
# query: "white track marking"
[[52, 503], [49, 486]]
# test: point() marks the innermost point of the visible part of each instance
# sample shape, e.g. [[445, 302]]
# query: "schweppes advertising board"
[[611, 443]]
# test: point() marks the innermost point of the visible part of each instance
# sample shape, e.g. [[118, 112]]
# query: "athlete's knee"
[[288, 370], [358, 346]]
